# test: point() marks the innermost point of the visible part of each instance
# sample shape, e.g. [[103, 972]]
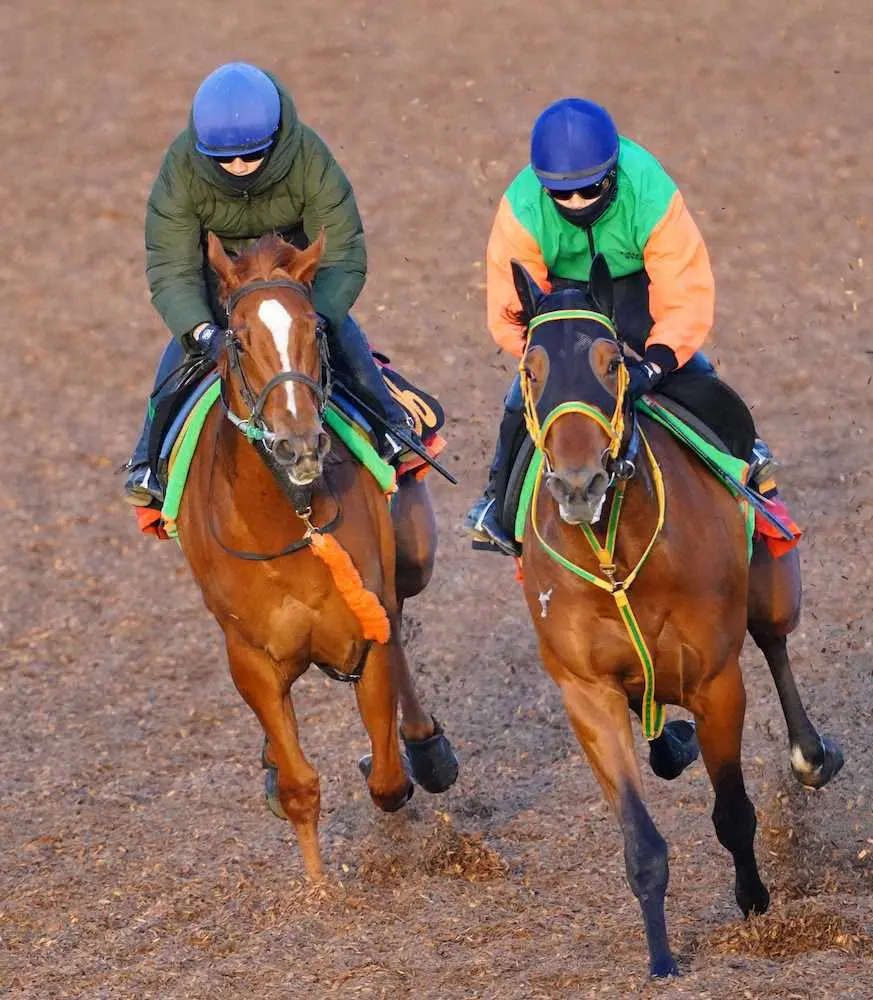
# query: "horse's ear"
[[529, 292], [306, 262], [221, 263], [600, 287]]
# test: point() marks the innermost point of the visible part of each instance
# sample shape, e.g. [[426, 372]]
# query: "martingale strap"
[[653, 715]]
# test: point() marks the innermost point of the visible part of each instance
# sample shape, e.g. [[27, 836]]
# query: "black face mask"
[[240, 183], [584, 218]]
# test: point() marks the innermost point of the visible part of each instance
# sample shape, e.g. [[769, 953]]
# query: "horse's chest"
[[316, 626]]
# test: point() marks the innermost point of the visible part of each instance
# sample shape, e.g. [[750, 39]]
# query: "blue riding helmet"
[[236, 111], [574, 143]]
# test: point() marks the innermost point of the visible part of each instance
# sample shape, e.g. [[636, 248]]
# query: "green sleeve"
[[329, 204], [174, 252]]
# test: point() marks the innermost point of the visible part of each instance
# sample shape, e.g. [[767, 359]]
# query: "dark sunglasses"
[[589, 192], [245, 157]]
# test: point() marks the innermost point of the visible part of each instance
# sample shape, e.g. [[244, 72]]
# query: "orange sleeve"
[[510, 240], [682, 289]]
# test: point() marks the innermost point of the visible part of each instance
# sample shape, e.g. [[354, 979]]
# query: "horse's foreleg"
[[259, 679], [719, 708], [774, 609], [599, 715]]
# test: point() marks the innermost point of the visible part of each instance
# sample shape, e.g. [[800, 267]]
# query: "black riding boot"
[[762, 470], [484, 518], [142, 487], [352, 361]]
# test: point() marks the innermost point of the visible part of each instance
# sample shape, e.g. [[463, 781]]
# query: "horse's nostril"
[[558, 488], [283, 451], [596, 486]]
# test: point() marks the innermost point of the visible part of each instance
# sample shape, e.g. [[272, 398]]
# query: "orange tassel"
[[364, 604]]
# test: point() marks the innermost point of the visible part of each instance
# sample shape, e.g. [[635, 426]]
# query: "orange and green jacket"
[[647, 227]]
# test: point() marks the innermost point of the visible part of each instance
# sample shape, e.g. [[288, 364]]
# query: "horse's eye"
[[612, 367], [529, 375]]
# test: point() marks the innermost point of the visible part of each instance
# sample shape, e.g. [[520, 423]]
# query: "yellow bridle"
[[614, 427], [653, 714]]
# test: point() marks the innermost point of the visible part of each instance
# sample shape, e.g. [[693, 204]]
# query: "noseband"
[[254, 427]]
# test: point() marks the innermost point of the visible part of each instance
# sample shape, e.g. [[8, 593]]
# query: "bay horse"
[[655, 610], [269, 481]]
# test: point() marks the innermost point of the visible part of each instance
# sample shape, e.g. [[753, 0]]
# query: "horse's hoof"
[[817, 775], [271, 791], [434, 764], [664, 967], [674, 749], [389, 803], [753, 900]]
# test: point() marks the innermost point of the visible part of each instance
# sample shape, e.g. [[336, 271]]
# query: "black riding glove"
[[658, 361], [208, 341]]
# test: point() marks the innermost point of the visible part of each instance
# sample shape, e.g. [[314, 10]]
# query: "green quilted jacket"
[[300, 189]]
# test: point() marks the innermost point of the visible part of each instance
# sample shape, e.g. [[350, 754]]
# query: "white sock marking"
[[278, 321]]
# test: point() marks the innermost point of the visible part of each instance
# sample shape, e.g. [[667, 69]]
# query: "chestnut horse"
[[665, 591], [267, 481]]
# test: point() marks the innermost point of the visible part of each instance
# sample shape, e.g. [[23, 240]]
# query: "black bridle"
[[254, 428]]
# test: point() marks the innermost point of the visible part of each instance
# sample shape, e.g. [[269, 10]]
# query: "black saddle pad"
[[426, 412]]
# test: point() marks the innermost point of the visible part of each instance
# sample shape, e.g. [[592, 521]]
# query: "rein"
[[653, 713]]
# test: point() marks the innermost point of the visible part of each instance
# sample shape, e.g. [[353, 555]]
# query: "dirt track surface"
[[138, 858]]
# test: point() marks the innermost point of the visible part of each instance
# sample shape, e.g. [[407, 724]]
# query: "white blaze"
[[277, 320]]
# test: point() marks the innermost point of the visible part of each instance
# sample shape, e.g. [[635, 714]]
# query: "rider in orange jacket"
[[588, 190]]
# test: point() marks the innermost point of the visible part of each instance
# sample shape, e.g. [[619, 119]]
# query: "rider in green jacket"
[[246, 166]]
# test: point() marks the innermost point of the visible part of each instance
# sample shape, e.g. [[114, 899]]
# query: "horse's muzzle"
[[579, 493], [302, 460]]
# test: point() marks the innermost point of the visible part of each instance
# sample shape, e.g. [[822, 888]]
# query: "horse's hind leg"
[[415, 538], [434, 765], [259, 679], [719, 708], [599, 715], [390, 787], [774, 610]]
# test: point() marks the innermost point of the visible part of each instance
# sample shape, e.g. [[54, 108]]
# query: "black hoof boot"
[[394, 802], [674, 749], [434, 764], [817, 775]]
